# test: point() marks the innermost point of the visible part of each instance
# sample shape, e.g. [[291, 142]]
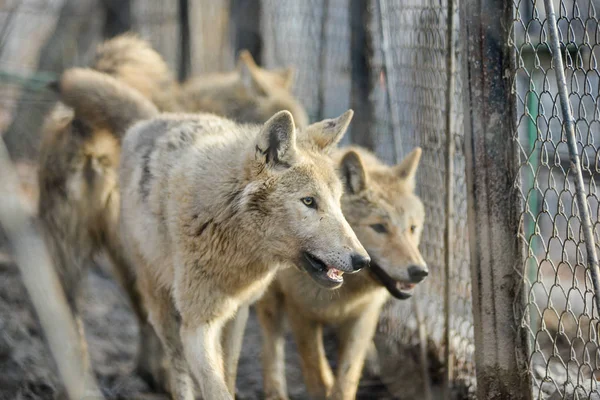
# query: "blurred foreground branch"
[[43, 285]]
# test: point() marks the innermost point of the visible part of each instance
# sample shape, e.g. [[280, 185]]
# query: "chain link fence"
[[411, 60], [407, 80], [559, 316]]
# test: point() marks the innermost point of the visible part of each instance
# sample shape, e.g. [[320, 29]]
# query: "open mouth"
[[324, 275], [399, 289]]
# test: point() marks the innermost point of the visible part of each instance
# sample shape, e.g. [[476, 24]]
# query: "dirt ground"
[[27, 370]]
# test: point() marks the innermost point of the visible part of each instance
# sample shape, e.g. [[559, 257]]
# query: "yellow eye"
[[309, 201]]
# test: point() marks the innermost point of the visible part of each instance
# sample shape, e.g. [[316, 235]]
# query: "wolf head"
[[271, 89], [380, 204], [294, 191]]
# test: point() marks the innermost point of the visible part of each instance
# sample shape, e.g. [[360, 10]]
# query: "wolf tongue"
[[334, 273]]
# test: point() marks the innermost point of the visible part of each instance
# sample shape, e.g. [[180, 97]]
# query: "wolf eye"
[[379, 228], [309, 202], [413, 229]]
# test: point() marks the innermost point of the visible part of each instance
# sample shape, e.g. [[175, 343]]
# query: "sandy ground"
[[27, 370]]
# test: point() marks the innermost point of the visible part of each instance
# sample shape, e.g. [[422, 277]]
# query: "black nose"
[[417, 274], [359, 262]]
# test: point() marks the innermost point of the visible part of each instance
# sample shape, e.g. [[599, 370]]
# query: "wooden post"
[[493, 203]]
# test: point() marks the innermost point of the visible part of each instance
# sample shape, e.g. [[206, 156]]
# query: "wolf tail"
[[132, 60], [102, 101]]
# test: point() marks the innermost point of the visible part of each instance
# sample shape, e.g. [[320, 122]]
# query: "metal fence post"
[[493, 203]]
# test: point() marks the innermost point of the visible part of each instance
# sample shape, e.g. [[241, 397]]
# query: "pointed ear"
[[327, 133], [353, 173], [407, 168], [285, 77], [277, 140], [250, 73], [239, 64], [246, 57]]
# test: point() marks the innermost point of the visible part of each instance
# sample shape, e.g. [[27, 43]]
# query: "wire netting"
[[408, 67], [411, 58], [314, 37], [559, 317]]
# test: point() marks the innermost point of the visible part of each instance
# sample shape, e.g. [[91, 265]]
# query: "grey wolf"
[[380, 205], [248, 94], [80, 153], [210, 210]]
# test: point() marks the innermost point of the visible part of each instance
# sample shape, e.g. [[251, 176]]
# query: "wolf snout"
[[359, 262], [417, 273]]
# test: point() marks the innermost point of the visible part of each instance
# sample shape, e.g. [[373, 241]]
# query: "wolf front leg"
[[233, 336], [150, 354], [271, 315], [315, 368], [202, 344], [355, 336], [164, 318], [204, 310]]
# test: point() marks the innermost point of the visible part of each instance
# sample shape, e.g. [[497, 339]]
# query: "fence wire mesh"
[[414, 72], [313, 36], [559, 315], [408, 67]]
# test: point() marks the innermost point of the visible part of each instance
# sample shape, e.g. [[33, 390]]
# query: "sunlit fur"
[[374, 194], [80, 153], [210, 211], [248, 94]]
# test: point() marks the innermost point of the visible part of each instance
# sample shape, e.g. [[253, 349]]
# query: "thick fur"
[[79, 157], [133, 61], [210, 211], [79, 197], [374, 194], [249, 94]]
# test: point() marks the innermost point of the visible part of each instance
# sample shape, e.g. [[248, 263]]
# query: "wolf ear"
[[353, 173], [327, 133], [251, 74], [285, 77], [407, 168], [248, 71], [277, 140], [261, 81]]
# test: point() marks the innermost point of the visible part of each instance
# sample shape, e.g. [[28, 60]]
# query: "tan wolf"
[[210, 210], [248, 94], [380, 205], [79, 156]]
